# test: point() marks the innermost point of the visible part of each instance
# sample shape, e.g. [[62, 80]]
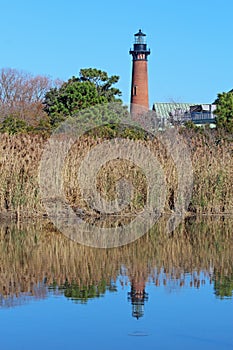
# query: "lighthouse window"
[[135, 90], [141, 56]]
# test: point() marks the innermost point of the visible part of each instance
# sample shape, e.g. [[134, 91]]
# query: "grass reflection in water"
[[36, 260]]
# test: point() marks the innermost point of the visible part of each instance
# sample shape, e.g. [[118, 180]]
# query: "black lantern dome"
[[140, 51]]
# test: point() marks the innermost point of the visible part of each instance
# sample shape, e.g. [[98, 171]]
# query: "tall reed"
[[211, 162]]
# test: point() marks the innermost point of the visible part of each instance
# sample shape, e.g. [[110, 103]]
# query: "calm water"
[[160, 292]]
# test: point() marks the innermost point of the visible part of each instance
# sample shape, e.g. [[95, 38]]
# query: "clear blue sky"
[[191, 42]]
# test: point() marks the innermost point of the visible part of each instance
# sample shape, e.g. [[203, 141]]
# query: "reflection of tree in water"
[[223, 286], [32, 258], [81, 293]]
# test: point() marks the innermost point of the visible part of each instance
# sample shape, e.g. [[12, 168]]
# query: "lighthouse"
[[139, 87]]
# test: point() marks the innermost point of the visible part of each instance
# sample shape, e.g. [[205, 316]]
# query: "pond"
[[163, 291]]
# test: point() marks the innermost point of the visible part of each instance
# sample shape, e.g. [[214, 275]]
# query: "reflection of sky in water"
[[184, 318]]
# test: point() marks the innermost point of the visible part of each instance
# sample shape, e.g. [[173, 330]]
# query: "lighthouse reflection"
[[137, 296], [138, 275]]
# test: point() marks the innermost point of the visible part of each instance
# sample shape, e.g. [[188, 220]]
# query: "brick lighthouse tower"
[[139, 88]]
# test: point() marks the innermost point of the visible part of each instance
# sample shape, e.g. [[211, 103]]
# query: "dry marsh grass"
[[211, 161]]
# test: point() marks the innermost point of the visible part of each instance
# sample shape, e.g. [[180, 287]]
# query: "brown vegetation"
[[211, 161], [22, 94]]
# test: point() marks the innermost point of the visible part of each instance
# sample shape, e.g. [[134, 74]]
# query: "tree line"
[[38, 103], [31, 103]]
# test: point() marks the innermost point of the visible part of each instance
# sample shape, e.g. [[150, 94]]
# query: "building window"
[[135, 90]]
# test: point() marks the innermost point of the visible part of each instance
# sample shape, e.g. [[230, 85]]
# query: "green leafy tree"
[[102, 82], [13, 125], [91, 88], [224, 111]]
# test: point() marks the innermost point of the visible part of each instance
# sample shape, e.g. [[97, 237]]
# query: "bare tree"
[[22, 94]]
